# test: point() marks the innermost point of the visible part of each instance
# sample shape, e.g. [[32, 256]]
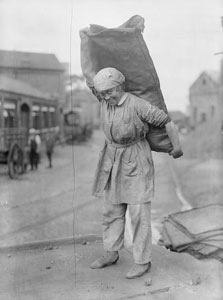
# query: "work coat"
[[125, 168]]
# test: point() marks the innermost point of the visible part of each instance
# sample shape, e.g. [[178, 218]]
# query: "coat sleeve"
[[150, 113]]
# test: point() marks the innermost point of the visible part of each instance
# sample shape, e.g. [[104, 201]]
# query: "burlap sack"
[[124, 48]]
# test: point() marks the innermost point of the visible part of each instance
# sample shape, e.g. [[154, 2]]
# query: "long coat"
[[125, 168]]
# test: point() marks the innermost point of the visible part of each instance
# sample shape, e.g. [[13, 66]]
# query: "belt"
[[115, 145]]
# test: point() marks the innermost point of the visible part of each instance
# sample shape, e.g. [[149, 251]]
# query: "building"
[[32, 88], [206, 99]]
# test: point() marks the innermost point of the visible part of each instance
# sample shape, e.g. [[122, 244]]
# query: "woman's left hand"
[[176, 153]]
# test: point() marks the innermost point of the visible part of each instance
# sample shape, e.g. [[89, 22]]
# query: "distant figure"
[[50, 141], [33, 153], [57, 136], [38, 141]]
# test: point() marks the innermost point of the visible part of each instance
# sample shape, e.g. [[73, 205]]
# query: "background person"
[[50, 142], [33, 152], [38, 141]]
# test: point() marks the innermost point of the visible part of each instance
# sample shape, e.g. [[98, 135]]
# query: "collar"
[[122, 100]]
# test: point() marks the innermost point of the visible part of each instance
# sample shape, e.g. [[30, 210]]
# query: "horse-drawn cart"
[[12, 144]]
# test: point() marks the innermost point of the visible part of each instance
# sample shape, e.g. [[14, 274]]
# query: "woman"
[[125, 169]]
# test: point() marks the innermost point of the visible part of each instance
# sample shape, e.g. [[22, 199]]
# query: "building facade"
[[206, 101], [32, 89]]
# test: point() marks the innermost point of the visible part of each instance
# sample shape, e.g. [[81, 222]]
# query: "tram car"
[[76, 126], [12, 143], [22, 107]]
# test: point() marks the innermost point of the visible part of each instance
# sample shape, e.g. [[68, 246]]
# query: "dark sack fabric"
[[124, 48]]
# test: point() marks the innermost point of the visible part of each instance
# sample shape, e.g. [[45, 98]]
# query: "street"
[[56, 203]]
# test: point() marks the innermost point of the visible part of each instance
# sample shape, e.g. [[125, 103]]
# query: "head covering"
[[32, 131], [108, 78]]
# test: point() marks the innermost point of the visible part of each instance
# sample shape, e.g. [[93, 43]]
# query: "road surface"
[[56, 203]]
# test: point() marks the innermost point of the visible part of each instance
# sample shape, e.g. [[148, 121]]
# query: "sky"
[[183, 36]]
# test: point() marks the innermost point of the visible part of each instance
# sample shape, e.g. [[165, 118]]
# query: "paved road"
[[64, 274], [56, 203]]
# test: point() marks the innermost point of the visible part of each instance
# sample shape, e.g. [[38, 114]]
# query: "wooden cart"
[[12, 144]]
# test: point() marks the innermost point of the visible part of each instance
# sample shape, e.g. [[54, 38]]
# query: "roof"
[[214, 75], [211, 74], [17, 59], [18, 87]]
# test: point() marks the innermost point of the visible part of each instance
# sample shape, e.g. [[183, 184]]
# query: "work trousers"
[[34, 159], [114, 227], [49, 156]]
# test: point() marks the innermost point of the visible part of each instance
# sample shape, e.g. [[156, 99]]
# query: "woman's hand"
[[174, 138], [176, 153]]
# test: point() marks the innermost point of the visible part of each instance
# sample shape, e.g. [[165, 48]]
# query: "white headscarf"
[[107, 78], [32, 131]]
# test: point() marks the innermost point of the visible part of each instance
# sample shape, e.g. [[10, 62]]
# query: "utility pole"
[[221, 26], [221, 84]]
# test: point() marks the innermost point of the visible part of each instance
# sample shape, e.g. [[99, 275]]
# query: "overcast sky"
[[182, 35]]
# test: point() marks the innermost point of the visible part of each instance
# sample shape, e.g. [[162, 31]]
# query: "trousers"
[[113, 225]]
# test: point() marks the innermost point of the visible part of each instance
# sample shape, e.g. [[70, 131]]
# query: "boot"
[[109, 258], [138, 270]]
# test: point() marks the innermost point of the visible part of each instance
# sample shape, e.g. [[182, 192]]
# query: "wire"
[[72, 147]]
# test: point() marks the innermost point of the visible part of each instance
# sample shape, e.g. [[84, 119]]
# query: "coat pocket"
[[130, 169], [129, 162]]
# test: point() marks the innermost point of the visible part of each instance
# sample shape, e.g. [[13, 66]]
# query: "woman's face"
[[113, 95]]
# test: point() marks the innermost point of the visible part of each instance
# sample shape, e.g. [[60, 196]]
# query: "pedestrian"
[[33, 149], [50, 141], [125, 171], [38, 141]]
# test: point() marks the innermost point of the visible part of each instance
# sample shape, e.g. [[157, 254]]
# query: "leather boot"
[[109, 258], [138, 270]]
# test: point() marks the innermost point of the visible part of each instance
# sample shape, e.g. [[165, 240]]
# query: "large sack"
[[124, 48]]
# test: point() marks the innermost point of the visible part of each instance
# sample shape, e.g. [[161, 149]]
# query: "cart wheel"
[[15, 161]]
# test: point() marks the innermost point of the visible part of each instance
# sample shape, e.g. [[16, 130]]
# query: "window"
[[45, 117], [36, 117], [9, 118], [9, 114], [52, 114]]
